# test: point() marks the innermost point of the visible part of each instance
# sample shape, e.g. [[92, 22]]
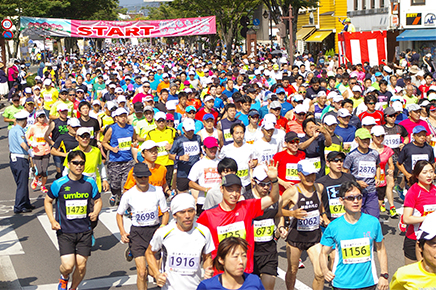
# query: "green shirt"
[[10, 112]]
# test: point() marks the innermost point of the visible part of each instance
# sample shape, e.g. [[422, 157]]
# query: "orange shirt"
[[162, 85], [181, 110], [157, 178], [294, 126]]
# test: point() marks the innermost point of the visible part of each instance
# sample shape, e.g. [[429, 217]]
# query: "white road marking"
[[108, 218], [298, 284], [9, 242], [45, 223], [7, 274]]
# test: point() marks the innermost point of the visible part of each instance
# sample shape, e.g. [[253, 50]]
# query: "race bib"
[[266, 157], [263, 230], [336, 208], [48, 97], [242, 173], [417, 157], [316, 161], [428, 209], [233, 230], [366, 169], [291, 171], [76, 209], [40, 139], [392, 141], [146, 218], [310, 222], [211, 175], [124, 144], [356, 251], [227, 135], [161, 151], [184, 263], [191, 148]]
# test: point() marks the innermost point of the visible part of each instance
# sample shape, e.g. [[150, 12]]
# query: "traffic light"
[[244, 21], [282, 30]]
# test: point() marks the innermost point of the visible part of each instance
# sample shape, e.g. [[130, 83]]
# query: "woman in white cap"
[[183, 240]]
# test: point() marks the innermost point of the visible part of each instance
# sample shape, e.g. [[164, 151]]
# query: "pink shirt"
[[409, 125], [35, 137], [384, 158]]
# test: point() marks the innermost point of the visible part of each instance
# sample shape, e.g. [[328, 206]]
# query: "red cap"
[[170, 117], [210, 142]]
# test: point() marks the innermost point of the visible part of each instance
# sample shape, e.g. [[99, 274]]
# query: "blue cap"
[[208, 116], [63, 90], [30, 100], [280, 90], [419, 129], [306, 167], [190, 108], [378, 74]]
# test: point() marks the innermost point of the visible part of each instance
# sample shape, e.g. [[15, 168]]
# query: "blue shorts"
[[370, 204], [59, 162]]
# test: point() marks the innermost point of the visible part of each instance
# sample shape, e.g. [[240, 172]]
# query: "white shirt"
[[144, 205], [205, 173], [182, 255], [203, 134], [242, 156], [265, 150]]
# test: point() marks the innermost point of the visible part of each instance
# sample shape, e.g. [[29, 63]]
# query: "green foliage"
[[330, 52]]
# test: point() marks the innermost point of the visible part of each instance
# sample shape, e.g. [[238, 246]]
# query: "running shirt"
[[157, 177], [287, 168], [394, 137], [93, 127], [422, 202], [242, 156], [265, 150], [73, 201], [225, 128], [203, 134], [205, 173], [54, 108], [182, 254], [354, 251], [144, 205], [50, 97], [251, 282], [384, 158], [410, 154], [66, 143], [60, 128], [363, 166], [35, 137], [162, 138], [181, 146], [315, 153], [409, 125], [10, 112], [237, 223], [121, 137], [412, 277]]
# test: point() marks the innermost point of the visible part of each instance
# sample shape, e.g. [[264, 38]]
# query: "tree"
[[279, 8]]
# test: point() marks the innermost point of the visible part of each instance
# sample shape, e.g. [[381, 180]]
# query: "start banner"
[[119, 29]]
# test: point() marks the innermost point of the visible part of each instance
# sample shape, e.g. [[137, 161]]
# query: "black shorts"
[[140, 238], [381, 193], [182, 184], [266, 264], [302, 246], [409, 248], [366, 288], [78, 244]]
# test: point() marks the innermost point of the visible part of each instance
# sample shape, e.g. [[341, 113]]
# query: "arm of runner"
[[196, 186], [306, 143], [285, 184], [47, 134], [320, 188], [328, 137], [165, 218], [274, 195], [48, 206], [403, 170], [106, 140], [377, 175], [207, 266], [57, 152], [97, 208], [409, 218], [323, 260], [161, 278], [103, 176], [124, 234], [382, 255]]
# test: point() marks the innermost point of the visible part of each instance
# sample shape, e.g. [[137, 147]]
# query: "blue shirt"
[[256, 105], [73, 202], [244, 118], [251, 282], [346, 133], [229, 94], [263, 111], [181, 146], [341, 235], [285, 108], [16, 136], [173, 97], [218, 104]]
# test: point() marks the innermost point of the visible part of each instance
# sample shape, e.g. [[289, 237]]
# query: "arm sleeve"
[[397, 283], [378, 231], [402, 156], [327, 239], [348, 162], [53, 190], [102, 170], [210, 246], [194, 174], [174, 149]]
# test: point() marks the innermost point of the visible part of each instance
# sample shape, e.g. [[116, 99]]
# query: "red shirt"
[[290, 90], [424, 89], [281, 123], [200, 114], [138, 97], [377, 115], [196, 103], [238, 222], [423, 203], [287, 166]]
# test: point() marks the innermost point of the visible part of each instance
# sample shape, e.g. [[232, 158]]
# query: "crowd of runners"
[[215, 160]]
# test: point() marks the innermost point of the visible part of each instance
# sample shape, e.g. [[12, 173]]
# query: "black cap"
[[251, 90], [141, 170], [138, 107], [15, 97], [332, 155], [253, 112], [291, 135], [64, 91], [230, 179]]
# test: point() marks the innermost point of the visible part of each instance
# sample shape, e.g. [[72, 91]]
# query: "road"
[[29, 258]]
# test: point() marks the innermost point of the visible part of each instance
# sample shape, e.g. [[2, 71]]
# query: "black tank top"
[[263, 227], [60, 128], [307, 230], [225, 127]]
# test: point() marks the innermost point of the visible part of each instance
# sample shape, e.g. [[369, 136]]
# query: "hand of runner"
[[272, 171], [283, 232], [115, 149], [105, 185], [208, 272], [168, 146], [286, 185], [300, 214], [161, 279], [322, 129], [55, 226], [377, 182], [329, 276], [362, 183], [383, 284], [125, 238], [184, 157], [93, 216]]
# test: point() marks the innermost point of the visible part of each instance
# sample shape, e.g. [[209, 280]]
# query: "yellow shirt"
[[50, 97], [161, 138], [142, 127], [413, 277], [54, 108]]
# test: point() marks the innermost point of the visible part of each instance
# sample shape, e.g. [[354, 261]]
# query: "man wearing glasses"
[[354, 235], [73, 194], [370, 101], [63, 99]]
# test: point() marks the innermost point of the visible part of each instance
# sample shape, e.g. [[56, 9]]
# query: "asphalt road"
[[29, 258]]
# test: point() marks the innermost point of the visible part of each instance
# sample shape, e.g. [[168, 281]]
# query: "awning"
[[319, 36], [304, 32], [417, 34]]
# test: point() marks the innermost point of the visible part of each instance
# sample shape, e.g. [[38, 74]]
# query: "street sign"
[[8, 34], [7, 24], [256, 22]]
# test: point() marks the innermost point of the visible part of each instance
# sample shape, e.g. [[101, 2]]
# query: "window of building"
[[356, 4], [382, 3], [418, 2], [363, 4], [373, 4]]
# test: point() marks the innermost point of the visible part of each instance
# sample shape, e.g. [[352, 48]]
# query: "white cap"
[[431, 96], [356, 88], [398, 107], [208, 98], [165, 75], [119, 90], [275, 105], [189, 124], [427, 230], [96, 102], [171, 105], [413, 107], [148, 145], [321, 94], [330, 120], [306, 167], [62, 107], [119, 112], [398, 89], [378, 131], [191, 73], [343, 113], [338, 98], [259, 172], [298, 98], [21, 115], [110, 105], [268, 125], [270, 118], [368, 120], [83, 130], [420, 73], [332, 94], [112, 86], [73, 122], [181, 202], [387, 69], [160, 115], [28, 90], [257, 72], [424, 103], [47, 82], [121, 99], [300, 109]]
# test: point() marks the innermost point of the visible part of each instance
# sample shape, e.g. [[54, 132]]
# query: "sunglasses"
[[353, 197], [299, 102], [353, 83], [71, 95], [263, 184], [78, 163], [85, 136], [372, 103], [295, 141], [393, 116], [147, 87], [160, 120], [301, 114], [302, 92], [337, 160]]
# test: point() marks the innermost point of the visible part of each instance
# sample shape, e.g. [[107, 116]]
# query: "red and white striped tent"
[[358, 47]]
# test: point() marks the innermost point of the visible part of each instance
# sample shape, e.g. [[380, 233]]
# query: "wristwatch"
[[385, 275]]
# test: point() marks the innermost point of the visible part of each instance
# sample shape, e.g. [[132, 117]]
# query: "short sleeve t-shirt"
[[242, 155], [181, 146], [157, 177], [205, 173], [422, 202], [412, 154], [412, 277], [237, 223], [10, 112], [287, 166], [354, 251], [265, 150], [251, 282], [66, 143], [409, 125], [363, 166]]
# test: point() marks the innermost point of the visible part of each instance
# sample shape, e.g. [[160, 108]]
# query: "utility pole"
[[291, 42]]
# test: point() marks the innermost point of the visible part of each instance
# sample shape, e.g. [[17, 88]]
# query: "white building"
[[369, 15]]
